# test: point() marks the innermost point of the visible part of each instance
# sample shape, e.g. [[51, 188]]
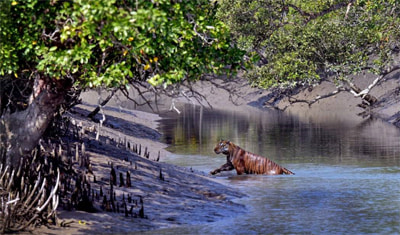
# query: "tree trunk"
[[21, 131]]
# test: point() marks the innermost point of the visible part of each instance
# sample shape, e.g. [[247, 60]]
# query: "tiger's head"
[[222, 147]]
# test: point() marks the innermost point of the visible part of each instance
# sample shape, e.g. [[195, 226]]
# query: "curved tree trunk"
[[21, 131]]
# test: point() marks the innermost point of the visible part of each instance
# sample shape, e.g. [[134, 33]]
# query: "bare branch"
[[234, 92], [293, 100], [52, 36], [364, 94], [194, 94], [140, 92], [357, 92], [105, 101], [203, 36]]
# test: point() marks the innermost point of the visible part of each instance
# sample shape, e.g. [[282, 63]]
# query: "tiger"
[[245, 162]]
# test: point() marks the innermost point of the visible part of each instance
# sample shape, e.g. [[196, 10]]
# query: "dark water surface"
[[347, 174]]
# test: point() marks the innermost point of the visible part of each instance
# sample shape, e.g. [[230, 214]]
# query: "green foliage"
[[302, 40], [113, 42]]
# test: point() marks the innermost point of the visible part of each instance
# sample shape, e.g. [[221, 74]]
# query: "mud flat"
[[170, 195]]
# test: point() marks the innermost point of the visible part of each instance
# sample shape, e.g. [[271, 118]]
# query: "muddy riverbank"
[[238, 94], [171, 195]]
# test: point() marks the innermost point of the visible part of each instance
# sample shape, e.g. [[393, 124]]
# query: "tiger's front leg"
[[226, 167]]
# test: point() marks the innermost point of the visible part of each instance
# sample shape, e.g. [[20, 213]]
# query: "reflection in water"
[[347, 175], [283, 138]]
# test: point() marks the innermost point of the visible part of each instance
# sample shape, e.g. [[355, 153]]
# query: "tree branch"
[[364, 94], [293, 100], [105, 101]]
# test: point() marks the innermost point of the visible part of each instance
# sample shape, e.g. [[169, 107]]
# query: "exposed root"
[[22, 202]]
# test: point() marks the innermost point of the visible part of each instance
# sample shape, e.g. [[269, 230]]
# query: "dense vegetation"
[[113, 42], [299, 42]]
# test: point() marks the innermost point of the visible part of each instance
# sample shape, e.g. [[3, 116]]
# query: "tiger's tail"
[[287, 172]]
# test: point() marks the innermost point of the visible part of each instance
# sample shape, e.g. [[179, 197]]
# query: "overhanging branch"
[[352, 88], [293, 100], [364, 94]]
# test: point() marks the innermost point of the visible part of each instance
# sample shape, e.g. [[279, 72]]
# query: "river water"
[[347, 174]]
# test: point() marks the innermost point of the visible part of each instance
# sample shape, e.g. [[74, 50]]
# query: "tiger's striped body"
[[246, 162]]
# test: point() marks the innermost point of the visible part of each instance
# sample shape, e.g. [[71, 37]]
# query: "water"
[[347, 173]]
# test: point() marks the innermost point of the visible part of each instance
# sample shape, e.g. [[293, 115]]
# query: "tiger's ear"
[[228, 142]]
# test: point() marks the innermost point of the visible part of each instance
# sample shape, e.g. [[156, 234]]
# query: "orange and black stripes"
[[246, 162]]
